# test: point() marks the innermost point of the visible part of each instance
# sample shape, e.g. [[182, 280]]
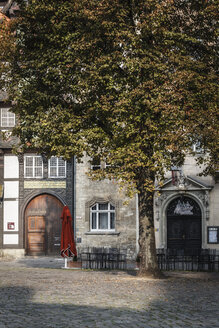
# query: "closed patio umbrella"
[[68, 248]]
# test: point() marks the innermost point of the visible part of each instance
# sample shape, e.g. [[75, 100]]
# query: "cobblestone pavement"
[[38, 293]]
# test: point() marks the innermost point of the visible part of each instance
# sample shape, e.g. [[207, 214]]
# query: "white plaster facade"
[[11, 167], [11, 202], [10, 212]]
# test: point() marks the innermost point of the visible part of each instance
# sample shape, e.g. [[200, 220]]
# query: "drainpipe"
[[74, 194]]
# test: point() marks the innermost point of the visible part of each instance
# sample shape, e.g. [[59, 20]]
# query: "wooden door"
[[36, 235], [184, 233], [50, 208], [192, 228], [184, 225], [175, 233]]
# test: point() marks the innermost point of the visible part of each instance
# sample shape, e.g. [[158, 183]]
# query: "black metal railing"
[[103, 258], [168, 259], [188, 260]]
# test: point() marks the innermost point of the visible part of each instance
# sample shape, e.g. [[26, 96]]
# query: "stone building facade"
[[124, 232], [34, 189], [195, 201]]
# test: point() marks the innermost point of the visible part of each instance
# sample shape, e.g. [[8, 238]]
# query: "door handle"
[[183, 236]]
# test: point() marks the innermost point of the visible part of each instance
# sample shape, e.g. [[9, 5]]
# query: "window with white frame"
[[33, 167], [57, 167], [102, 217], [7, 118]]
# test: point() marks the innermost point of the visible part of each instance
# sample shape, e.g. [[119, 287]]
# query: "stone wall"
[[204, 190], [87, 193]]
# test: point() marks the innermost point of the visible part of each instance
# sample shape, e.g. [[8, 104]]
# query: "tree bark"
[[7, 6], [147, 253]]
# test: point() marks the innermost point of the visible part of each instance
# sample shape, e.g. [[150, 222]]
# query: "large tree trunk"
[[147, 253]]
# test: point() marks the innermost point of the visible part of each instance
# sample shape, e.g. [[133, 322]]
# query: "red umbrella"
[[68, 248]]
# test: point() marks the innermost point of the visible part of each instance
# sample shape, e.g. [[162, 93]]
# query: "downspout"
[[74, 194]]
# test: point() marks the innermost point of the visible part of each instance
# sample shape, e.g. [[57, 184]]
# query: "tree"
[[131, 81], [7, 47]]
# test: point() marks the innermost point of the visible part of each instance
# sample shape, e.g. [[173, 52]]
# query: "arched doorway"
[[43, 225], [184, 225]]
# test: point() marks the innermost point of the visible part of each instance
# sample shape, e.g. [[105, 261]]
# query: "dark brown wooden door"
[[50, 208], [184, 225], [36, 235], [184, 233]]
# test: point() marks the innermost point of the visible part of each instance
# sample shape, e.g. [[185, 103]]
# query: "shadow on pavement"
[[57, 262], [46, 262], [20, 309]]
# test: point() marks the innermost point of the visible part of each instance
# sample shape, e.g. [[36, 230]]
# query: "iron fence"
[[103, 258], [168, 259], [195, 260]]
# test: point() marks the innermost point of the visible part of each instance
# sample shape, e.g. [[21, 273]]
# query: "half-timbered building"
[[34, 189]]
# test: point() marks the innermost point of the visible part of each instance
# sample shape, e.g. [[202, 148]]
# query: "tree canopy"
[[134, 82], [7, 49]]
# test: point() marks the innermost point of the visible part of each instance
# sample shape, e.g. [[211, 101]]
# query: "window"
[[95, 163], [57, 167], [7, 118], [102, 216], [33, 167]]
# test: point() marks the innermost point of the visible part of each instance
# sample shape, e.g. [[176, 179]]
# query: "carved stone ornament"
[[190, 192], [206, 198], [159, 200], [183, 208], [182, 183], [183, 205], [158, 215]]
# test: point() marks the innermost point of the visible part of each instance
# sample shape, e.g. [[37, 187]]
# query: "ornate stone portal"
[[187, 187]]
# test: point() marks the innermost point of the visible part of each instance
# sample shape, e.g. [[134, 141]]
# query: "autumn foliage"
[[132, 81]]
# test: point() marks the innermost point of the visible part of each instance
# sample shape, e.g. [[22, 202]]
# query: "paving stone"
[[36, 292]]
